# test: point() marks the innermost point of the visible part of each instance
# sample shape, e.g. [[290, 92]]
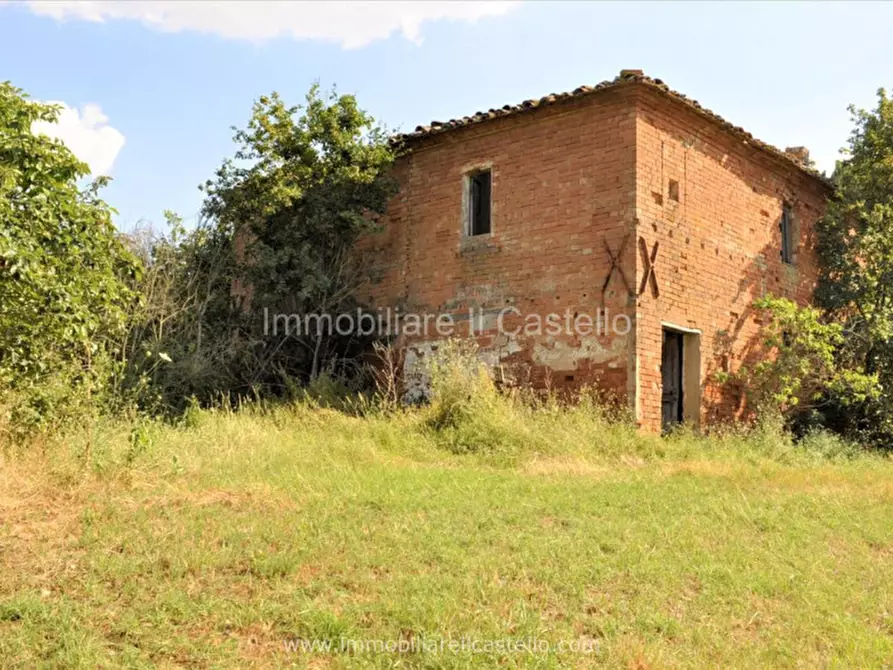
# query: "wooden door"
[[671, 374]]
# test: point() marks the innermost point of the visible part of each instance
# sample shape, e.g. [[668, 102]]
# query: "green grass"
[[212, 544]]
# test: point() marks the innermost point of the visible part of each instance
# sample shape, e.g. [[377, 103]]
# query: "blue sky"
[[153, 88]]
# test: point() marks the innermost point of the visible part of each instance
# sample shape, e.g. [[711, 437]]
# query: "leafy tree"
[[855, 243], [799, 371], [63, 270], [306, 184], [279, 230]]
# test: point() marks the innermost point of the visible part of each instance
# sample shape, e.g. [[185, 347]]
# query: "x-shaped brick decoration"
[[649, 262], [615, 265]]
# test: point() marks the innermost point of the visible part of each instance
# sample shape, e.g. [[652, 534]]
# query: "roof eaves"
[[626, 77]]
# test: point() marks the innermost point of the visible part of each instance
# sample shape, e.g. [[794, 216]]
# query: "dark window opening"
[[479, 203], [787, 235], [674, 190]]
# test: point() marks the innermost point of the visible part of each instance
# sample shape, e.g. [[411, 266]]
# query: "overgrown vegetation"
[[467, 413], [65, 278], [91, 320], [281, 222], [799, 375], [183, 336]]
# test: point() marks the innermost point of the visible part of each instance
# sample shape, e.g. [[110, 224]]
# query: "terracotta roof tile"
[[626, 77]]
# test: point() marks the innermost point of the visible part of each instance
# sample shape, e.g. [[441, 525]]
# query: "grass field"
[[565, 541]]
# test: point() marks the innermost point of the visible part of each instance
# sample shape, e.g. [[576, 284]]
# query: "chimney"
[[629, 74], [799, 154]]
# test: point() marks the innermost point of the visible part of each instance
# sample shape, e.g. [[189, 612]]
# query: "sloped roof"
[[626, 77]]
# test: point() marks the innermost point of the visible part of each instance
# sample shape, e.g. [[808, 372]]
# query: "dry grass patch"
[[567, 465]]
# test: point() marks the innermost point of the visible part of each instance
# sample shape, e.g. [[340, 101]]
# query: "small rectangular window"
[[787, 234], [674, 190], [479, 203]]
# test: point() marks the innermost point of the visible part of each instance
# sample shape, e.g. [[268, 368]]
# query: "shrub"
[[800, 371], [459, 384], [467, 413], [64, 274], [825, 445]]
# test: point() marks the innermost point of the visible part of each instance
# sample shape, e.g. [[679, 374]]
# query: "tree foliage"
[[855, 244], [64, 273], [281, 221], [306, 183], [799, 370]]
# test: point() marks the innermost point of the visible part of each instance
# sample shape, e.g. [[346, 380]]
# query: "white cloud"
[[352, 24], [87, 134]]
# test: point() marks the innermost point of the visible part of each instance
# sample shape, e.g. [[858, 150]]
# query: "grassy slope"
[[212, 545]]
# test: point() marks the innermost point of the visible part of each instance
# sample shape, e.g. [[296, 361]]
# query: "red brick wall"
[[562, 187], [719, 245]]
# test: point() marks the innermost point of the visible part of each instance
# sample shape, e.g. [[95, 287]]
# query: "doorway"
[[680, 368], [671, 367]]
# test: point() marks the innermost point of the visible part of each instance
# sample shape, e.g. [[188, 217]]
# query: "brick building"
[[623, 203]]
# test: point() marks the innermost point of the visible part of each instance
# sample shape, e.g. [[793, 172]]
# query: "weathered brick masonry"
[[576, 179]]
